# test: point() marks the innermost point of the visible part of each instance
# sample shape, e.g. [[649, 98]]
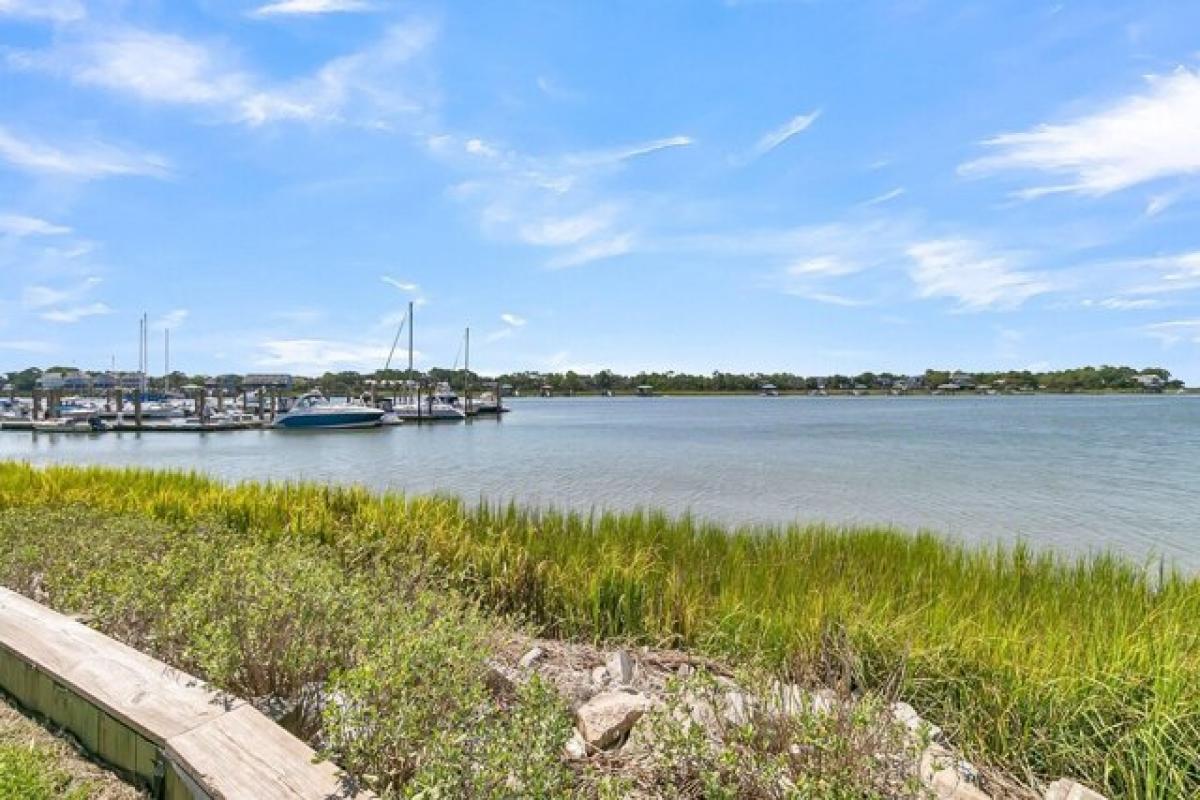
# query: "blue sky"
[[756, 185]]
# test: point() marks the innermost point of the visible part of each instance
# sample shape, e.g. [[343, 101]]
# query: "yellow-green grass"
[[37, 765], [1045, 665]]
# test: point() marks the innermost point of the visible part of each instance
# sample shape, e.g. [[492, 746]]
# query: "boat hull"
[[338, 420]]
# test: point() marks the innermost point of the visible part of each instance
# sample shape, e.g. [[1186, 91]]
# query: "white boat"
[[313, 411], [430, 409], [488, 403]]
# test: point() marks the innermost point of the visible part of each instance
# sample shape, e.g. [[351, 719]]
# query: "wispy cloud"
[[171, 320], [1136, 139], [309, 356], [555, 201], [75, 313], [50, 10], [561, 231], [554, 90], [86, 161], [1123, 303], [366, 87], [311, 8], [403, 286], [511, 324], [36, 297], [1174, 332], [27, 346], [777, 136], [21, 225], [595, 250], [884, 198], [977, 279]]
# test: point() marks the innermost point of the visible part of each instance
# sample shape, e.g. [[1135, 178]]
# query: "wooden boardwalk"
[[159, 727]]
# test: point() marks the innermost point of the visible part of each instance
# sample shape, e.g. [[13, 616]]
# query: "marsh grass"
[[1044, 665]]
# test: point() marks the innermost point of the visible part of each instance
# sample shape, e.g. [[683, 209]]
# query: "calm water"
[[1071, 472]]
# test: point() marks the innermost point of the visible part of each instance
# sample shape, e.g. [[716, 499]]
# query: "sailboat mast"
[[410, 339], [467, 370], [166, 359]]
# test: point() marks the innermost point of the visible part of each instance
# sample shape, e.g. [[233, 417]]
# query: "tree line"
[[1079, 379]]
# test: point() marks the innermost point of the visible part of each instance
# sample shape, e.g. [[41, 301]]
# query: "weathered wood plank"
[[127, 707], [277, 767], [147, 695]]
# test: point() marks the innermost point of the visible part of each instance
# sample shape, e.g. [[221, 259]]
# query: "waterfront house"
[[1150, 382], [645, 390], [963, 380], [267, 381]]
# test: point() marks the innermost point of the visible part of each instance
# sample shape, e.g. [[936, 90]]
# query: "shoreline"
[[985, 640]]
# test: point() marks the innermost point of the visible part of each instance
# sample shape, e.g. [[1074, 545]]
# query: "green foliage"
[[1048, 666], [28, 772], [850, 751]]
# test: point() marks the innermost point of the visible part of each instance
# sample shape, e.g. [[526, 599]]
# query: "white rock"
[[1066, 789], [685, 670], [600, 676], [607, 717], [738, 708], [531, 657], [949, 777], [620, 666], [576, 748], [907, 716]]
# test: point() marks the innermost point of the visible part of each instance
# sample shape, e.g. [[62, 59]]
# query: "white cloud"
[[1176, 273], [773, 138], [618, 154], [27, 346], [309, 356], [367, 87], [50, 10], [883, 198], [41, 296], [961, 270], [597, 250], [152, 66], [1123, 303], [172, 319], [87, 161], [403, 286], [1137, 139], [823, 265], [310, 7], [1158, 204], [513, 320], [827, 298], [497, 335], [75, 313], [21, 225], [560, 231], [1171, 333], [555, 91]]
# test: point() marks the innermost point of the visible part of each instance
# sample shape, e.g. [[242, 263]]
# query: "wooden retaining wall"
[[159, 727]]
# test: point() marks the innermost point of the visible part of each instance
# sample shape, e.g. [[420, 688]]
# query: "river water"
[[1077, 473]]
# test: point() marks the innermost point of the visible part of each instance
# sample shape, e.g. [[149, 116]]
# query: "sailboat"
[[414, 407]]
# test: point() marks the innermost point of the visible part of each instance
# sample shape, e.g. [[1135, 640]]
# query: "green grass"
[[1043, 665]]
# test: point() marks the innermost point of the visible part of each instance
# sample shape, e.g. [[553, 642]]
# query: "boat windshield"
[[310, 400]]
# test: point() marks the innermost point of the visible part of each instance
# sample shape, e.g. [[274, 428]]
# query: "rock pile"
[[610, 693]]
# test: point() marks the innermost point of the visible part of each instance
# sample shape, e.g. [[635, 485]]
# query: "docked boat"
[[430, 409], [91, 424], [488, 403], [314, 411]]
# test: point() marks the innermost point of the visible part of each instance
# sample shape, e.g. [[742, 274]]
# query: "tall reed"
[[1044, 665]]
